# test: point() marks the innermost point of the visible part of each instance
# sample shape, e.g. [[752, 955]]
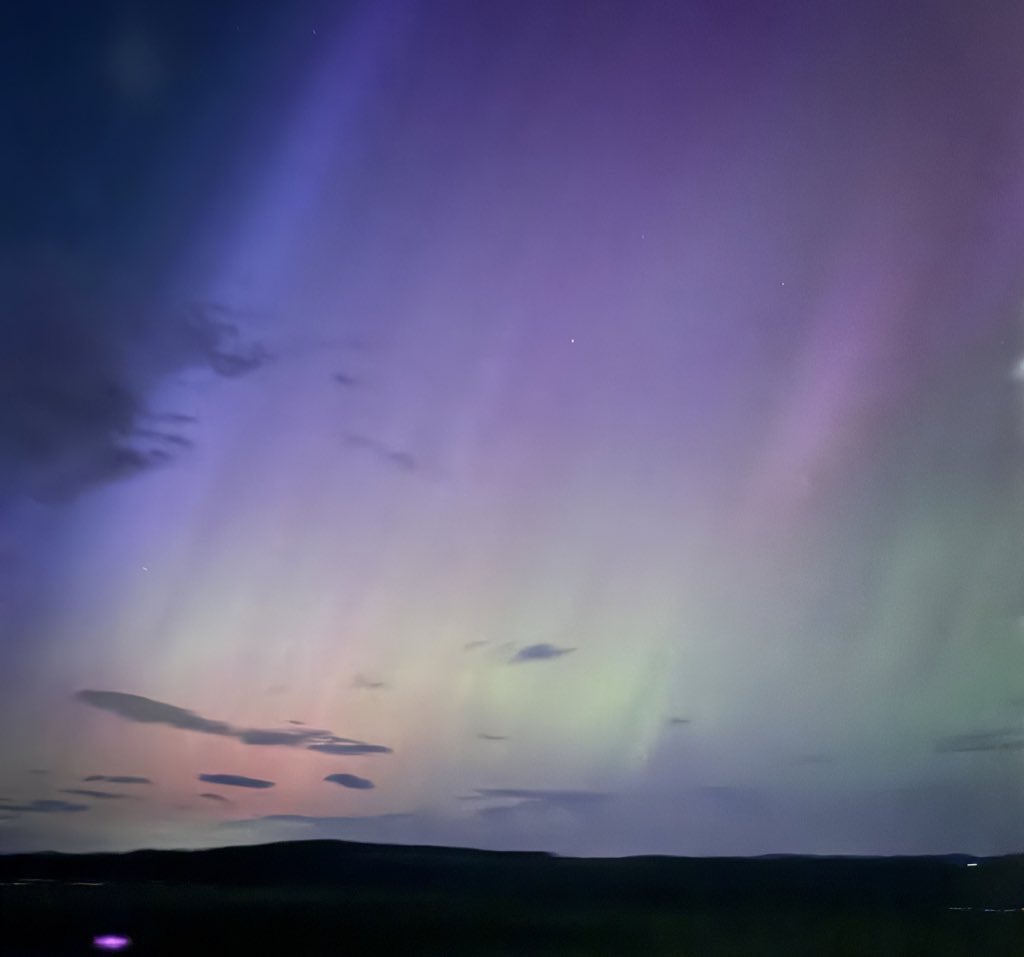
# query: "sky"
[[570, 425]]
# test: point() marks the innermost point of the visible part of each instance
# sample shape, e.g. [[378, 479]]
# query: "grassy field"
[[39, 920]]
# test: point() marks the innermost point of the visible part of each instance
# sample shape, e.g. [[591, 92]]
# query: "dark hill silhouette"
[[897, 882]]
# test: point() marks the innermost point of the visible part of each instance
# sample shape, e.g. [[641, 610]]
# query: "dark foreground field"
[[328, 898]]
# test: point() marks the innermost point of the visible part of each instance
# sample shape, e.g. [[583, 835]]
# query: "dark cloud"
[[360, 681], [492, 737], [80, 354], [293, 721], [133, 707], [86, 792], [349, 748], [541, 652], [147, 711], [235, 781], [1004, 739], [350, 781], [46, 807], [470, 645], [118, 779], [214, 797], [271, 737], [680, 721]]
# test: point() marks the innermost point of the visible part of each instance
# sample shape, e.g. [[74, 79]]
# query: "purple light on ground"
[[111, 942]]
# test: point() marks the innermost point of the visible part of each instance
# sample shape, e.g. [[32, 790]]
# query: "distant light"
[[145, 568], [111, 942], [975, 864]]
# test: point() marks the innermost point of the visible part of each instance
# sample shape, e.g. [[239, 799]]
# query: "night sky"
[[578, 425]]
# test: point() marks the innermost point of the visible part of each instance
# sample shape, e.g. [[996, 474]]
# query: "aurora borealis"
[[580, 425]]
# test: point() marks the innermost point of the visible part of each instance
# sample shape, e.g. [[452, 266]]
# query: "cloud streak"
[[540, 652], [117, 779], [350, 781], [45, 807], [534, 799], [142, 710], [327, 825], [236, 781], [1004, 739], [396, 458], [350, 749], [86, 792], [133, 707]]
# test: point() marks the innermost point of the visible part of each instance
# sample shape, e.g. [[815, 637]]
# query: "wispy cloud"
[[541, 652], [328, 826], [398, 459], [210, 796], [235, 781], [533, 799], [118, 779], [350, 749], [86, 792], [45, 807], [350, 781], [1003, 739], [495, 811], [133, 707], [678, 722], [361, 681], [272, 737], [417, 828], [492, 737], [78, 359]]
